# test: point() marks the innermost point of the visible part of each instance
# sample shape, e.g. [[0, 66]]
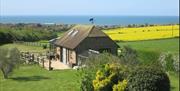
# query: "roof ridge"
[[92, 27]]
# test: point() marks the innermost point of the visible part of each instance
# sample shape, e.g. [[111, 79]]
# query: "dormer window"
[[70, 32], [74, 33]]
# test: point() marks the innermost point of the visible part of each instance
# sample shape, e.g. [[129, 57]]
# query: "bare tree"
[[9, 59]]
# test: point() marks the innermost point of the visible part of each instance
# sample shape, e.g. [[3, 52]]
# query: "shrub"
[[176, 62], [92, 65], [97, 63], [121, 86], [170, 62], [9, 59], [148, 79], [44, 46], [128, 56], [107, 78], [86, 83]]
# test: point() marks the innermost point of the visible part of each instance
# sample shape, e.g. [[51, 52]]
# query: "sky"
[[90, 7]]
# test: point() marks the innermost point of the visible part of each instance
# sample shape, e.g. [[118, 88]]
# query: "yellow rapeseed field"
[[143, 33]]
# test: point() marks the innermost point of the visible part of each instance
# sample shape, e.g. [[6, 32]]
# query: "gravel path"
[[56, 65]]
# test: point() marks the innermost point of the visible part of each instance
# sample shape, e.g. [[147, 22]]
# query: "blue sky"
[[90, 7]]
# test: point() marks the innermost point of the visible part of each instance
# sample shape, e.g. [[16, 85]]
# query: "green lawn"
[[35, 78], [174, 80], [22, 47]]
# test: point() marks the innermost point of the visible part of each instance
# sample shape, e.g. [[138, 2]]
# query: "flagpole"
[[172, 30]]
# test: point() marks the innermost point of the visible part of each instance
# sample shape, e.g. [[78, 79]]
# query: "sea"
[[98, 20]]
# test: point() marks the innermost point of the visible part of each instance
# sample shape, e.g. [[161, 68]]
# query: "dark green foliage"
[[149, 78], [25, 32], [86, 83], [7, 36]]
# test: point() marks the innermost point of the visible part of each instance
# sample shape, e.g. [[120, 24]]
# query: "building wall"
[[72, 57], [58, 54], [97, 43]]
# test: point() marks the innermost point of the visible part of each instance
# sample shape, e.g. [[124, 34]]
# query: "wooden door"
[[64, 55]]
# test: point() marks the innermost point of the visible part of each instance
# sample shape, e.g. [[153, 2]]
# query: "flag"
[[91, 19]]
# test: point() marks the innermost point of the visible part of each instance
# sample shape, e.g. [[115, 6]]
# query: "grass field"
[[35, 78], [163, 45], [25, 47], [143, 33], [150, 50]]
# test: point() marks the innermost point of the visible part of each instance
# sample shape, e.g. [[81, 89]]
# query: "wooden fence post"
[[50, 64], [43, 62]]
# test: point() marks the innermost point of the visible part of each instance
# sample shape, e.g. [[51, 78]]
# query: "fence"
[[39, 44]]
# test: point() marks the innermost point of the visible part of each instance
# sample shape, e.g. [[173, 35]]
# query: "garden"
[[115, 73]]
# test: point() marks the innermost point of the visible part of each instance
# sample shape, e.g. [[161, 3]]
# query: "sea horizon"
[[84, 19]]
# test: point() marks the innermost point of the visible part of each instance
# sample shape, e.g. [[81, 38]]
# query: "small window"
[[105, 50]]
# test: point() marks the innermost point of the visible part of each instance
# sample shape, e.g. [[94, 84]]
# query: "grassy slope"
[[28, 78], [150, 50], [165, 45]]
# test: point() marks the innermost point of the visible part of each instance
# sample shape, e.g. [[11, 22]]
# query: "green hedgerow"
[[148, 79]]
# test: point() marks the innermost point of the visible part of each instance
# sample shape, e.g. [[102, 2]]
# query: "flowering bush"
[[176, 63], [107, 78], [93, 64], [121, 86], [170, 62]]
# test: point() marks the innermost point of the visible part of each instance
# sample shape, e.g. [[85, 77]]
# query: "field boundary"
[[39, 44]]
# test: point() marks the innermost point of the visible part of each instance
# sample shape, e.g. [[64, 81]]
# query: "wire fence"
[[38, 44]]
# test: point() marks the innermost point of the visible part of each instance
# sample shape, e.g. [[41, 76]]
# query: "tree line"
[[29, 32]]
